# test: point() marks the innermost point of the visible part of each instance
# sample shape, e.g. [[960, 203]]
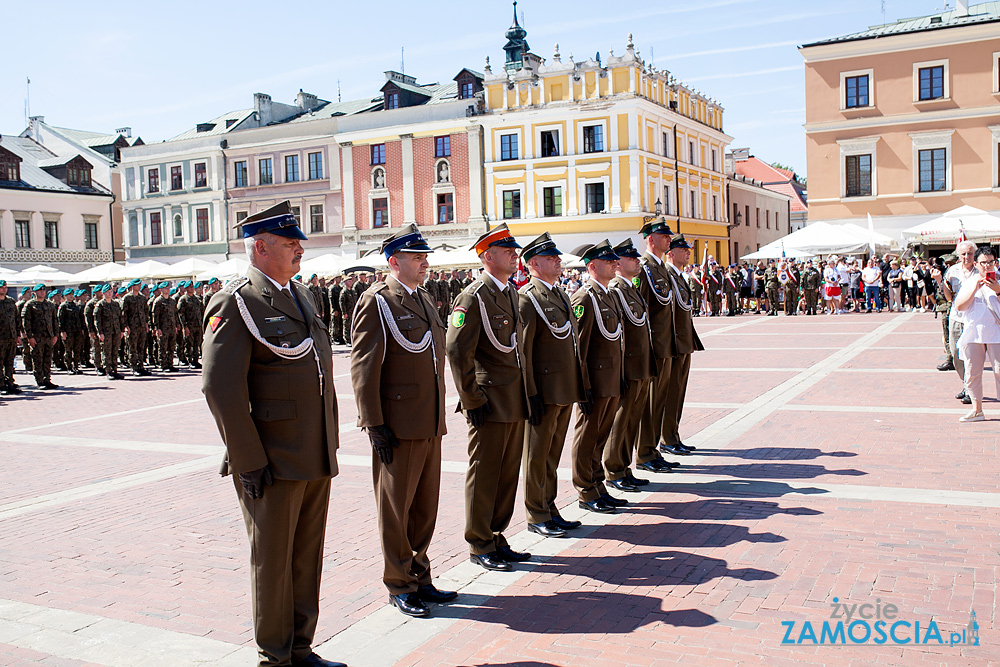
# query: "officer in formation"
[[810, 281], [397, 371], [348, 299], [136, 320], [716, 281], [336, 314], [772, 284], [191, 312], [696, 283], [165, 323], [792, 280], [109, 324], [10, 338], [40, 325], [731, 289], [72, 330]]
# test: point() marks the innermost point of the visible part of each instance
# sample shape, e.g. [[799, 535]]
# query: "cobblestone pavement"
[[830, 465]]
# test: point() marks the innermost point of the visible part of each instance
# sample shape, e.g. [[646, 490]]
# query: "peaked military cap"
[[626, 249], [680, 242], [601, 250], [499, 236], [407, 239], [275, 220], [655, 227], [542, 246]]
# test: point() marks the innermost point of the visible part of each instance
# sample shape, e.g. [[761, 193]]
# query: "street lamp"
[[737, 219], [657, 212]]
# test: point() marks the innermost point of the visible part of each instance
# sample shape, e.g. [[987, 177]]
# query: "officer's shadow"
[[771, 470], [736, 488], [720, 509], [775, 453]]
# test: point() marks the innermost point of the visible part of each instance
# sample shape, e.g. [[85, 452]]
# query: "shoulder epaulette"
[[234, 285], [473, 287]]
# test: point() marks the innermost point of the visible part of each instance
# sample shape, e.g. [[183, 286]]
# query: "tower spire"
[[516, 45]]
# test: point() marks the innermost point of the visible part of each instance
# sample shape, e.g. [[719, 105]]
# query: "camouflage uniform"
[[137, 323], [39, 322], [165, 322], [71, 326], [10, 330], [336, 315], [88, 322], [25, 352], [810, 289], [191, 312], [108, 322], [772, 284], [348, 299], [152, 342]]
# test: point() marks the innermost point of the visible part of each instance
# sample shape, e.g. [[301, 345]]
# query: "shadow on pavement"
[[684, 534], [722, 509], [772, 470], [739, 487], [776, 453]]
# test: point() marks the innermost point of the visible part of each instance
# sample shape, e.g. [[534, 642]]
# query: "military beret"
[[94, 289], [3, 283], [67, 292], [298, 277], [163, 284], [173, 291], [144, 286], [197, 284], [120, 291], [213, 281], [38, 287], [133, 282], [79, 292], [313, 276], [24, 290]]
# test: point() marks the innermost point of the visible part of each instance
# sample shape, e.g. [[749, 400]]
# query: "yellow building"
[[584, 150]]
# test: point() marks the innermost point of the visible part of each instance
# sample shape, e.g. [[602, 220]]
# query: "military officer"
[[791, 289], [443, 296], [108, 322], [10, 336], [336, 315], [731, 288], [601, 349], [715, 279], [397, 370], [40, 326], [555, 383], [485, 354], [268, 380], [318, 296], [456, 284], [637, 368], [771, 285], [165, 325], [810, 287], [654, 287], [348, 299], [686, 341], [696, 283]]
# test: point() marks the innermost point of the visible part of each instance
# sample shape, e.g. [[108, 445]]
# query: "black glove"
[[587, 404], [383, 442], [477, 416], [536, 409], [254, 481]]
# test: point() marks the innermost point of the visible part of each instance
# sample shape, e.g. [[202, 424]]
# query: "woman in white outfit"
[[980, 340]]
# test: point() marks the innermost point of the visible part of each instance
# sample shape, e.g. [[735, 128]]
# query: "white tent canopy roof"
[[947, 228], [186, 268], [143, 270], [822, 238], [227, 270], [45, 274], [102, 273]]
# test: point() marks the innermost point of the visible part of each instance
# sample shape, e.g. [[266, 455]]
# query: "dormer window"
[[78, 176], [466, 90], [392, 100], [10, 170]]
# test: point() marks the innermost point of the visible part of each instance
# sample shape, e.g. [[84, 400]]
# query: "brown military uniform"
[[654, 287], [404, 390], [556, 377], [686, 341], [485, 373], [282, 413], [638, 368]]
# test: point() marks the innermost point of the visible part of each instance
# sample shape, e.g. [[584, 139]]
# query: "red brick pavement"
[[699, 572]]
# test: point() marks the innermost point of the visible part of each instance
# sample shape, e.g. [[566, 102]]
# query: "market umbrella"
[[975, 223]]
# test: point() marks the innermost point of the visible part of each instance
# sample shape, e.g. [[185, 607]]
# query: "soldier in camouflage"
[[108, 322], [25, 351], [88, 323], [348, 299], [165, 323], [191, 312], [336, 315], [40, 325], [55, 297], [152, 342], [71, 330], [136, 327], [10, 336]]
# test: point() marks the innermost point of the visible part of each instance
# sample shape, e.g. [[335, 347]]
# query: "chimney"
[[127, 131], [33, 123], [262, 105], [962, 8], [306, 101]]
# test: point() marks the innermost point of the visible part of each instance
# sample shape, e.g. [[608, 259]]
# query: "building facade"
[[903, 119], [757, 215], [586, 150], [53, 210]]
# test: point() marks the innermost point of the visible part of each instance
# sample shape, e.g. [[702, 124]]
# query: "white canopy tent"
[[102, 273], [822, 238], [977, 224], [41, 274], [227, 270], [7, 272], [143, 270], [323, 265], [186, 268]]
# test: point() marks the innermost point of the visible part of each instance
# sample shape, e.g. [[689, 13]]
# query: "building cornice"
[[869, 46], [902, 119]]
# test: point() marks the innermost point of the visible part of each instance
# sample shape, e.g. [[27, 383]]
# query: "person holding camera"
[[980, 339]]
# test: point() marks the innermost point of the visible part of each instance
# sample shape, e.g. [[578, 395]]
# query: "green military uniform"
[[697, 286], [731, 288], [137, 324], [810, 281], [39, 323], [88, 322], [25, 349], [109, 323], [336, 314], [191, 312], [771, 286], [10, 332], [792, 291], [348, 300], [165, 324], [73, 329], [686, 342], [715, 290]]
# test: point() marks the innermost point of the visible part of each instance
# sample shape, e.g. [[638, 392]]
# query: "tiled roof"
[[985, 12], [33, 157], [220, 125], [773, 178]]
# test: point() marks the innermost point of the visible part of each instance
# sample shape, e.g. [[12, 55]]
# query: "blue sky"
[[163, 67]]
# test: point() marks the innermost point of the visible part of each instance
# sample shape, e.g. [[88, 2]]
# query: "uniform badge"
[[635, 281], [214, 322], [269, 320], [578, 311], [458, 318]]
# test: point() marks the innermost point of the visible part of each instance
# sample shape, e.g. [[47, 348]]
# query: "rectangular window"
[[767, 219], [10, 171], [22, 234], [378, 153], [265, 172], [291, 168], [297, 214], [511, 204], [715, 160], [747, 218], [932, 166], [758, 218], [240, 169], [316, 218], [176, 178], [691, 151], [666, 145], [715, 207], [178, 227], [242, 215], [90, 235], [550, 143], [442, 146], [315, 166], [466, 90], [392, 101], [593, 139], [508, 147], [201, 220], [77, 176], [859, 175], [446, 208], [51, 234], [153, 180], [856, 88], [552, 201], [666, 200], [155, 229], [200, 175], [931, 82], [595, 197], [693, 212], [380, 212]]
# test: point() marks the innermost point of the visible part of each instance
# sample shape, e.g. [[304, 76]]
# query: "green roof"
[[986, 12]]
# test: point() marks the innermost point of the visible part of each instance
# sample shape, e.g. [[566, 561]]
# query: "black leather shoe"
[[635, 480], [670, 464], [491, 561], [512, 556], [547, 529], [410, 604], [623, 484], [674, 449], [655, 465], [967, 400], [946, 366], [315, 661], [430, 593], [564, 524], [687, 447], [960, 395], [614, 502], [50, 385], [598, 505]]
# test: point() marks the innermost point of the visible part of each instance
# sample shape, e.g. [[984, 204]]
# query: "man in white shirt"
[[951, 284]]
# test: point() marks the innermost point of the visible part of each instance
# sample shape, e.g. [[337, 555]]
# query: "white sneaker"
[[923, 310], [973, 417]]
